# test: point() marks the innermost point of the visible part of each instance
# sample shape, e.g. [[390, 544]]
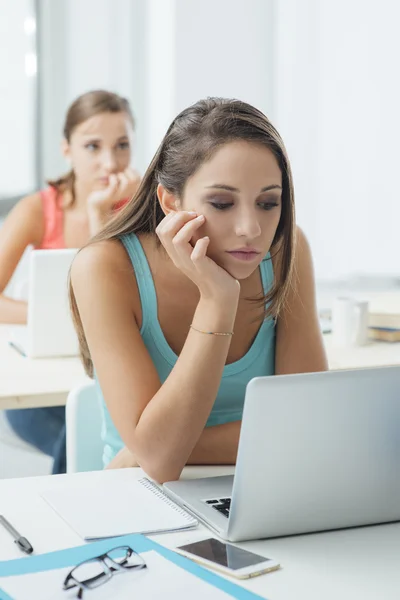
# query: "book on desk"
[[99, 510]]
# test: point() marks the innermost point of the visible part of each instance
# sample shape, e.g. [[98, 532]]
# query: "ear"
[[168, 202], [65, 150]]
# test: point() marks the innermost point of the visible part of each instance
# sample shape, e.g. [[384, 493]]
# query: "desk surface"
[[25, 382], [350, 564], [28, 382], [373, 354]]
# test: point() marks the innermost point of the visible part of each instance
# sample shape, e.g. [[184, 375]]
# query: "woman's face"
[[100, 147], [239, 192]]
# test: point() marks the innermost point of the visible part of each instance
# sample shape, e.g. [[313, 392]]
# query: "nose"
[[108, 160], [247, 225]]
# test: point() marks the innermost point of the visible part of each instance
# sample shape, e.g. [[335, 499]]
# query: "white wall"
[[89, 45], [160, 67], [161, 54], [337, 98], [17, 93], [224, 48]]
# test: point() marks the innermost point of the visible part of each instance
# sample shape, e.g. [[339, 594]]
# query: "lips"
[[245, 254]]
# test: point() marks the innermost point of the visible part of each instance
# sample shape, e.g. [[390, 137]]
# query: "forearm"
[[173, 421], [13, 311], [217, 445]]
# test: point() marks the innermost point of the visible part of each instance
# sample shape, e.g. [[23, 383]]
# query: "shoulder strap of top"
[[144, 278], [267, 273]]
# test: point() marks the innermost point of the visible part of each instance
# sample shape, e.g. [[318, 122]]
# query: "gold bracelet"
[[212, 332]]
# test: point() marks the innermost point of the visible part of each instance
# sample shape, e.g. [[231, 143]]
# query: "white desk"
[[355, 563], [26, 383], [373, 354]]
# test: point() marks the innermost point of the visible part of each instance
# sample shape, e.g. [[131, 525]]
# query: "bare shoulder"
[[302, 254], [301, 243], [25, 223], [303, 263], [32, 203], [30, 208], [107, 257], [105, 268]]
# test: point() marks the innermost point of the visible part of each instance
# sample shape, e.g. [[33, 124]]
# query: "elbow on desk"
[[159, 471], [159, 467], [159, 464]]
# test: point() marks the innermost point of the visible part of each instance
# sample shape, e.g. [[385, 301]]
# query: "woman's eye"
[[92, 146], [221, 205], [123, 146], [268, 205]]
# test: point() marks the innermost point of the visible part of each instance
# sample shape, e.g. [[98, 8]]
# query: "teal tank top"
[[228, 406]]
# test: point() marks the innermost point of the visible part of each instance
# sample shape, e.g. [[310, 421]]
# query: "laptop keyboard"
[[222, 505]]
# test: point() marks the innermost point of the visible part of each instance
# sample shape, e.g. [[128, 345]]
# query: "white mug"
[[349, 322]]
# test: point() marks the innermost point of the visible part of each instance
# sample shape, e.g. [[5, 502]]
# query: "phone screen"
[[225, 555]]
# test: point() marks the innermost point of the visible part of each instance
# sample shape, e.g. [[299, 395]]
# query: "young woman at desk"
[[98, 134], [176, 330]]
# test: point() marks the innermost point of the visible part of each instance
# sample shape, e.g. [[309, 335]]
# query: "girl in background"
[[98, 139]]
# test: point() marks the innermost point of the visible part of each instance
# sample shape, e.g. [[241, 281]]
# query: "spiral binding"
[[160, 494]]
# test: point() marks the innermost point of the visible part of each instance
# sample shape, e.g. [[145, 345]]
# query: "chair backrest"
[[83, 429]]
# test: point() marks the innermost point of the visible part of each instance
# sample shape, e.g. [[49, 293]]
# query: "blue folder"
[[72, 556]]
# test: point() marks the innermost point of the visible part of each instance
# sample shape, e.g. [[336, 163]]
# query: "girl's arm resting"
[[180, 409], [13, 311], [23, 226], [217, 445], [159, 424], [299, 342]]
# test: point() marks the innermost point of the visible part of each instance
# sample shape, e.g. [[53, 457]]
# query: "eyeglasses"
[[93, 572]]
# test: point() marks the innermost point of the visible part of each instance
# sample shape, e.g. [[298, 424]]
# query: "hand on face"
[[120, 186], [176, 231]]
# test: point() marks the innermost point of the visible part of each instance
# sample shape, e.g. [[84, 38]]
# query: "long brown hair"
[[192, 138], [83, 108]]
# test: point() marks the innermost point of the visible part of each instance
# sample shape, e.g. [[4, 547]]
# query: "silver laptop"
[[317, 452], [49, 331]]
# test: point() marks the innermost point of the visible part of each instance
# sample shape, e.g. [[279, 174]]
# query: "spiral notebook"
[[97, 509]]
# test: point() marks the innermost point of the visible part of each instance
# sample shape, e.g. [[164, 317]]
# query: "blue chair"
[[83, 429]]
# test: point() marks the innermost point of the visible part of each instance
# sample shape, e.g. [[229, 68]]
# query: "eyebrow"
[[229, 188], [97, 139]]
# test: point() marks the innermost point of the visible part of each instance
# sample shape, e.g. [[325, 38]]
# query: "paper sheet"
[[161, 579]]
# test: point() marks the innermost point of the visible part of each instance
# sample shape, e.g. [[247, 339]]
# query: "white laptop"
[[49, 331], [317, 452]]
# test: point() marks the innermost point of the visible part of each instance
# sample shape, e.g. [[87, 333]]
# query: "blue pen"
[[21, 541]]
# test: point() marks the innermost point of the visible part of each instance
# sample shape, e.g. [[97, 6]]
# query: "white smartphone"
[[228, 559]]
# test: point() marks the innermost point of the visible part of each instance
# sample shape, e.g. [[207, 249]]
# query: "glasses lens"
[[90, 573], [125, 557]]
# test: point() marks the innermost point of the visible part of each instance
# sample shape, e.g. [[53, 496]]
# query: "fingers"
[[132, 174], [175, 233], [200, 250], [129, 181], [113, 183], [173, 222], [123, 182], [185, 234]]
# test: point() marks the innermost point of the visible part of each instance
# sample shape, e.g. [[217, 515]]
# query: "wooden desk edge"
[[33, 401]]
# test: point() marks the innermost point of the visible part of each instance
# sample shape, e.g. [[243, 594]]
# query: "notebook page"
[[97, 509]]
